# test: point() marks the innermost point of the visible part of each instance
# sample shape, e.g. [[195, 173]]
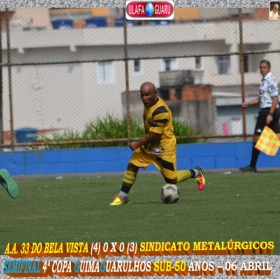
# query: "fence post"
[[1, 86], [241, 55], [10, 79], [126, 79]]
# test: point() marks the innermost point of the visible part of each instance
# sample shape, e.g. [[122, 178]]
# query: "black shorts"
[[261, 121]]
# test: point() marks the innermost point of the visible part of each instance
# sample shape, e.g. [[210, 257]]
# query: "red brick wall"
[[262, 13], [172, 95], [79, 24], [199, 92]]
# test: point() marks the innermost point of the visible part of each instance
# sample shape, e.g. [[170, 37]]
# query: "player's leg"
[[251, 167], [167, 165], [196, 173], [128, 180], [138, 160], [261, 122], [255, 153], [8, 183]]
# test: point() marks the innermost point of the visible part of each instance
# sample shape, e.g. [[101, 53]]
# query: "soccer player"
[[8, 183], [268, 115], [157, 147]]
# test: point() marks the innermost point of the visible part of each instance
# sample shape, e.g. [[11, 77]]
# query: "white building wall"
[[69, 95]]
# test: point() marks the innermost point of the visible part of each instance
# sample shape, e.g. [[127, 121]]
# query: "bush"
[[183, 129], [113, 128]]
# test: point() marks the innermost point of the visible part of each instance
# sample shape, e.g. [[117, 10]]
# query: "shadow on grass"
[[268, 171], [151, 202], [145, 202], [258, 172]]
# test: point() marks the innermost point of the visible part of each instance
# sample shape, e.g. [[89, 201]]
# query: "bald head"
[[148, 94], [148, 86]]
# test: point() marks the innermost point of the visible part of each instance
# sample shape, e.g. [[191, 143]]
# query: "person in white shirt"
[[269, 113], [274, 13]]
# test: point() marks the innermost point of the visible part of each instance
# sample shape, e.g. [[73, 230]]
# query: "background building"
[[76, 69]]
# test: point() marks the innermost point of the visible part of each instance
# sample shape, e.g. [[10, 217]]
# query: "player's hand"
[[134, 145], [269, 119], [245, 105]]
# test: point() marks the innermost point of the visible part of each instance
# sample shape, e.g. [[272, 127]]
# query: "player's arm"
[[275, 101], [269, 117], [252, 102], [273, 91], [151, 138], [155, 131]]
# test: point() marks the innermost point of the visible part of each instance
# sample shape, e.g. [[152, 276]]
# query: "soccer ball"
[[169, 193]]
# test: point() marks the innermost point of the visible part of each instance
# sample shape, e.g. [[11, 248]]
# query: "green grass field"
[[241, 207]]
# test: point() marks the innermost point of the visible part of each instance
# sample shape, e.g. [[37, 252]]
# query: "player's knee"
[[132, 167], [170, 181]]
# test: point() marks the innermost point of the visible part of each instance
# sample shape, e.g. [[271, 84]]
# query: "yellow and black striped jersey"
[[158, 119]]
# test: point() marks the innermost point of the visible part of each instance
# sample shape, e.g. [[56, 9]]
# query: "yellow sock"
[[183, 175], [129, 178]]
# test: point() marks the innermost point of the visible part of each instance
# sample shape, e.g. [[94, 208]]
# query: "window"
[[169, 64], [198, 62], [137, 65], [223, 64], [105, 72]]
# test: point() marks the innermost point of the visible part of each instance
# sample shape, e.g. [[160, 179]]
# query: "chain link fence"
[[64, 68]]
